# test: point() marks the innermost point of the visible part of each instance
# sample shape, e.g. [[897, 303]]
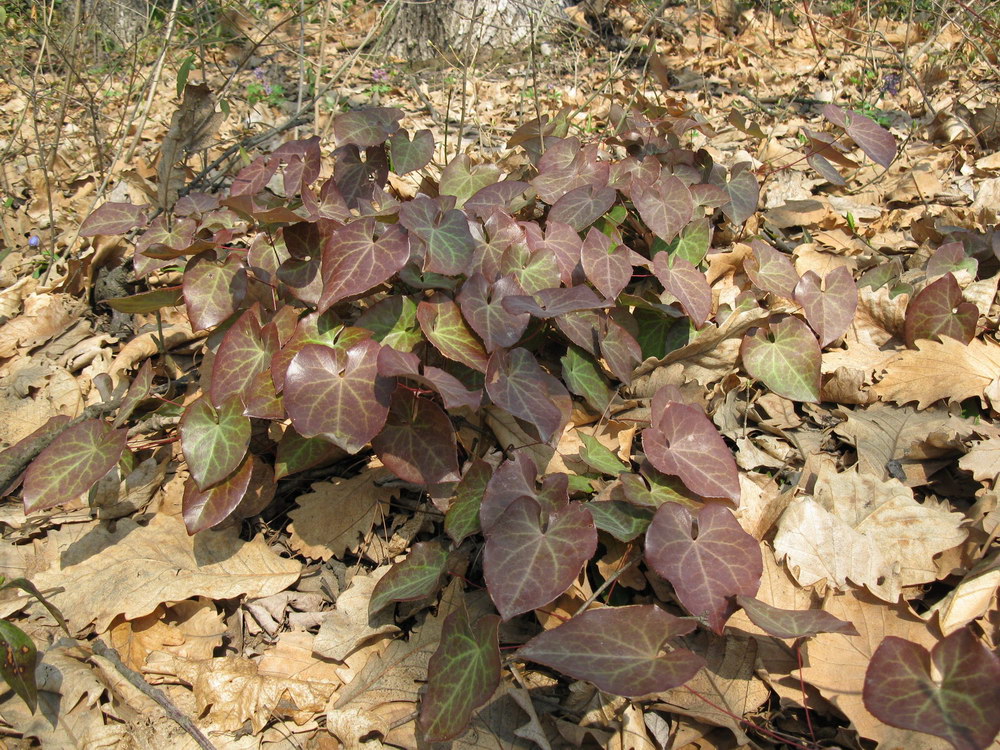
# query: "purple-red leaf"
[[354, 262], [582, 206], [532, 557], [418, 442], [952, 693], [683, 442], [877, 142], [951, 257], [771, 271], [214, 440], [550, 303], [461, 676], [785, 356], [338, 394], [608, 265], [622, 650], [482, 306], [687, 284], [516, 382], [72, 464], [245, 352], [707, 557], [940, 310], [203, 509], [829, 305], [792, 623], [666, 206], [513, 478], [366, 127], [213, 290], [113, 218], [743, 191]]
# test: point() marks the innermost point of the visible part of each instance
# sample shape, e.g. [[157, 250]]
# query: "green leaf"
[[416, 577], [462, 179], [584, 378], [72, 464], [462, 518], [214, 441], [182, 73], [147, 302], [597, 456], [461, 676], [18, 664], [785, 356], [622, 520]]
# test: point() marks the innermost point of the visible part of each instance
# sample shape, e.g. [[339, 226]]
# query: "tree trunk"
[[123, 21], [459, 30]]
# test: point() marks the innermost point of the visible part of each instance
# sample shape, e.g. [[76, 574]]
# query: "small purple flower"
[[34, 240], [380, 74], [890, 84], [258, 73]]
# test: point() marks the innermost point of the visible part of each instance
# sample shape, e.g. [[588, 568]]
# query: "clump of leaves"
[[455, 334]]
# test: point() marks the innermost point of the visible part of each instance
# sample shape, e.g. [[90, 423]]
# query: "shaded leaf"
[[138, 390], [462, 674], [940, 310], [530, 560], [708, 558], [393, 322], [296, 453], [442, 323], [417, 576], [624, 521], [147, 302], [598, 457], [743, 191], [462, 518], [516, 382], [417, 443], [407, 155], [72, 464], [583, 377], [17, 663], [203, 509], [951, 257], [622, 650]]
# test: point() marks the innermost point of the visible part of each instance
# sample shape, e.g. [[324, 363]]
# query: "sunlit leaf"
[[203, 509], [72, 464], [445, 230], [113, 218], [245, 352], [790, 623], [829, 305], [951, 693], [214, 439], [940, 310], [785, 356], [951, 257], [482, 306], [530, 560], [583, 376], [138, 390], [147, 302], [366, 127], [442, 323], [708, 558], [771, 271], [687, 284], [622, 650], [354, 261], [665, 206], [877, 142], [516, 382], [607, 264], [17, 663], [462, 179], [624, 521], [582, 206], [213, 290]]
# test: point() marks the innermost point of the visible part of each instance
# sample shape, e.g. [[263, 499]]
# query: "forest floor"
[[245, 646]]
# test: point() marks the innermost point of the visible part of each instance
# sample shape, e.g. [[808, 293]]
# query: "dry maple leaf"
[[936, 370]]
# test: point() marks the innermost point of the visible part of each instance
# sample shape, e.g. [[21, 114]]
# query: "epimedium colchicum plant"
[[457, 334]]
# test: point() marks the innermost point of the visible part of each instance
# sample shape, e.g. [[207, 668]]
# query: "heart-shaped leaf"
[[708, 558], [551, 303], [354, 261], [461, 676], [482, 306], [687, 284], [18, 655], [693, 242], [743, 191], [872, 138], [417, 576], [214, 439], [530, 559], [513, 478], [417, 443], [409, 156], [666, 207], [245, 352], [296, 453], [952, 693], [608, 265], [72, 464], [785, 356], [624, 521], [940, 310], [583, 376], [393, 322], [338, 394], [771, 271], [445, 230], [597, 456], [213, 290], [792, 623], [683, 442], [366, 127], [622, 650], [948, 257], [516, 382], [462, 179], [582, 206], [829, 305]]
